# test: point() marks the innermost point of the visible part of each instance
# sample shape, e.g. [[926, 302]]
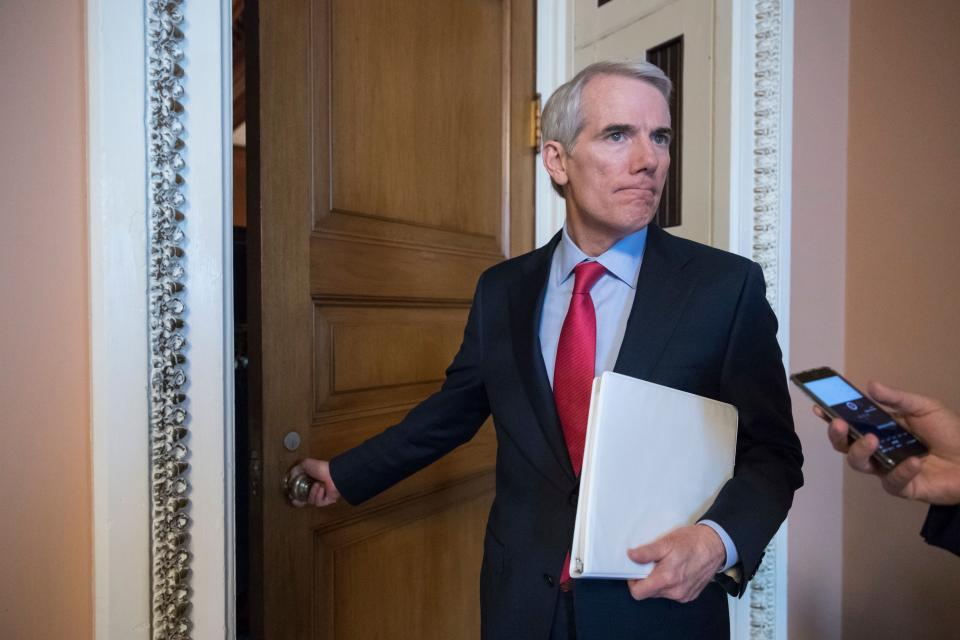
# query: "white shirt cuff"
[[732, 556]]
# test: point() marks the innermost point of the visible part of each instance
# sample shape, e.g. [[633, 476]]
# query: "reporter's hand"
[[686, 561], [324, 492], [934, 478]]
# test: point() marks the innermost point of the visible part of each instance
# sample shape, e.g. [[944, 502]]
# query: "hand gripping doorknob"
[[297, 485]]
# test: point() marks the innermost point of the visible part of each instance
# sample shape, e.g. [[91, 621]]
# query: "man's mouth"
[[637, 190]]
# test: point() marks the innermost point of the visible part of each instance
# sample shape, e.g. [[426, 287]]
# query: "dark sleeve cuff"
[[732, 581], [942, 528], [344, 480]]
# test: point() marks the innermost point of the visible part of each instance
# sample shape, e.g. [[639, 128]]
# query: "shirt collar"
[[622, 259]]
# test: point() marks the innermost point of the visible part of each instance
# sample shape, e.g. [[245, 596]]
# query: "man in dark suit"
[[934, 479], [611, 291]]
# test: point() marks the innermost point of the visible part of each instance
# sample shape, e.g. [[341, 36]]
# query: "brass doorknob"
[[297, 485]]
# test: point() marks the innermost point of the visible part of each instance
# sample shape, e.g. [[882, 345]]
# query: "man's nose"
[[643, 156]]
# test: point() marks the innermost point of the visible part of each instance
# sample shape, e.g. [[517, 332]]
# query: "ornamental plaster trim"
[[767, 109], [767, 209], [169, 420]]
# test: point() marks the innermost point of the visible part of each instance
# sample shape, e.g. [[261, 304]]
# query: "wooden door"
[[393, 150]]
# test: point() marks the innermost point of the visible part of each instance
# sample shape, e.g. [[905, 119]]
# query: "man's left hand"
[[686, 561]]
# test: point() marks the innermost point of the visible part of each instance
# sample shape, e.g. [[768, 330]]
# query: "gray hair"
[[561, 119]]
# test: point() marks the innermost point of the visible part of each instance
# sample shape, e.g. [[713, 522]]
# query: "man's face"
[[614, 175]]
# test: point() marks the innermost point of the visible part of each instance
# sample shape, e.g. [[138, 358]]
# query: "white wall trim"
[[117, 40], [782, 308], [760, 178], [208, 226], [118, 322], [554, 67]]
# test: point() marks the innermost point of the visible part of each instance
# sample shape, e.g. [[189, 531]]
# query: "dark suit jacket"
[[942, 528], [699, 322]]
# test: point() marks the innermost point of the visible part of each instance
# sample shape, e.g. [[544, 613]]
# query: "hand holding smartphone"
[[840, 399]]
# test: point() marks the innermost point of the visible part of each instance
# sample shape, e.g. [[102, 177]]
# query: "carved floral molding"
[[767, 154], [169, 420]]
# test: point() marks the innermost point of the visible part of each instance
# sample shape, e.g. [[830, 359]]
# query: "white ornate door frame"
[[752, 177], [761, 151], [159, 83]]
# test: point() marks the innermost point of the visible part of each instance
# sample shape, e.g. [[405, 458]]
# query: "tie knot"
[[586, 275]]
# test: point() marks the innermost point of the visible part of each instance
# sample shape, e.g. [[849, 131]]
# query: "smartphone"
[[840, 399]]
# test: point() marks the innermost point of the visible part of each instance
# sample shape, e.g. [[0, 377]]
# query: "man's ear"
[[555, 161]]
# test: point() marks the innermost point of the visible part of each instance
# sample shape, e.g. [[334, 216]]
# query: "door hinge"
[[535, 123]]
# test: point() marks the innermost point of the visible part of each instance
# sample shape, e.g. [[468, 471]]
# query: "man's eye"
[[661, 138], [617, 136]]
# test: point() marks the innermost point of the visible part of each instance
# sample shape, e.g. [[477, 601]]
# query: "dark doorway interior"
[[242, 444], [241, 350]]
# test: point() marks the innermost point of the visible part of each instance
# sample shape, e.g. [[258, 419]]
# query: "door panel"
[[433, 158], [392, 146], [358, 563], [379, 357], [408, 271]]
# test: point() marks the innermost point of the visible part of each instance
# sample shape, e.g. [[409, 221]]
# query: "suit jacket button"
[[548, 579], [573, 497]]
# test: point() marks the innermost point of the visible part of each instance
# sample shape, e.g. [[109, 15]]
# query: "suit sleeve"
[[436, 426], [753, 503], [942, 528]]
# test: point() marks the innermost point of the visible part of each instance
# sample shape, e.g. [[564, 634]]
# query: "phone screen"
[[846, 401]]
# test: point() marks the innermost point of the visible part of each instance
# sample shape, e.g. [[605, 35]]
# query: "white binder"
[[655, 459]]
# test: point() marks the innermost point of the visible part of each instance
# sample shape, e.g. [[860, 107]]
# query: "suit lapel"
[[662, 291], [526, 301]]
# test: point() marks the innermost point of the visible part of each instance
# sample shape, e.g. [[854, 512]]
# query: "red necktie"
[[575, 366], [576, 361]]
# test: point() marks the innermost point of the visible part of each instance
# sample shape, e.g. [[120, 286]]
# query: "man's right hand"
[[934, 478], [324, 492]]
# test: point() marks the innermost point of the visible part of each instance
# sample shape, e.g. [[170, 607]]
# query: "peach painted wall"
[[821, 39], [902, 302], [45, 539]]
